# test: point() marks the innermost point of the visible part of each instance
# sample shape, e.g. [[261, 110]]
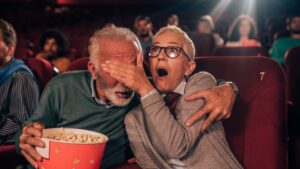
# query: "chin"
[[120, 102]]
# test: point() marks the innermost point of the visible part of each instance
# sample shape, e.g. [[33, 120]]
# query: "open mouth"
[[123, 94], [162, 72]]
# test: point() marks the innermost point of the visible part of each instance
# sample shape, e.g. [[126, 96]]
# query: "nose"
[[162, 55]]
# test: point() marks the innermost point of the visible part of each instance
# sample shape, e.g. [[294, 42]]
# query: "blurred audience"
[[143, 28], [243, 33], [18, 88], [109, 25], [282, 45], [173, 20], [206, 26], [55, 48]]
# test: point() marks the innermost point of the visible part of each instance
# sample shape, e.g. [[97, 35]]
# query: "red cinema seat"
[[256, 131], [23, 53], [42, 69], [204, 43], [293, 81], [79, 64], [9, 159], [240, 51]]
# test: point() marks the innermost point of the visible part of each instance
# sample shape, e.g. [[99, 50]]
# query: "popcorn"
[[74, 138]]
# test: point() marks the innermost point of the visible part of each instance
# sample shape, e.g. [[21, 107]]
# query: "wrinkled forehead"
[[123, 50]]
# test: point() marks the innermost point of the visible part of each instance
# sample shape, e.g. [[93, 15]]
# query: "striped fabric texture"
[[18, 99]]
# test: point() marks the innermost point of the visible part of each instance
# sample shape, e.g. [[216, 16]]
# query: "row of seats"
[[257, 130]]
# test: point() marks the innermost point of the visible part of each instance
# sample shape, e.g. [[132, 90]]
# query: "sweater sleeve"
[[23, 98], [169, 134]]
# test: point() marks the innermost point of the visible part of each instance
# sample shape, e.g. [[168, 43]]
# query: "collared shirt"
[[94, 95]]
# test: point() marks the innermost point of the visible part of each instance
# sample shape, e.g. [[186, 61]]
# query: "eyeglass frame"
[[165, 50]]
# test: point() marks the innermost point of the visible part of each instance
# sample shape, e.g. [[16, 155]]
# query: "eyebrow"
[[176, 43]]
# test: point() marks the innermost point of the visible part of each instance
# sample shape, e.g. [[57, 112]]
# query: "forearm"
[[170, 137], [8, 126]]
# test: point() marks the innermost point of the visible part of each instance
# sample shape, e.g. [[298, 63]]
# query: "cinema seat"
[[293, 82], [204, 43], [256, 130], [42, 69], [240, 51], [79, 64], [9, 159]]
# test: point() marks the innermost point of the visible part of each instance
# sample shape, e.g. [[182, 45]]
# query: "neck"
[[296, 36], [244, 38], [5, 61]]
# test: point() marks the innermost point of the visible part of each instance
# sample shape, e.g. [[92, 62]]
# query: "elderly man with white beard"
[[93, 100]]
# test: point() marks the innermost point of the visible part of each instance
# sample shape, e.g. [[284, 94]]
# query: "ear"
[[190, 68], [92, 69]]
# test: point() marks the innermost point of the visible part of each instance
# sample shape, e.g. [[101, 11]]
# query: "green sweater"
[[281, 46], [67, 102]]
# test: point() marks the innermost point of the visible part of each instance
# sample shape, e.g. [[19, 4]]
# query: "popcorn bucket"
[[71, 148]]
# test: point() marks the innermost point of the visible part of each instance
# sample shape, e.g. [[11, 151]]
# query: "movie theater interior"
[[149, 84]]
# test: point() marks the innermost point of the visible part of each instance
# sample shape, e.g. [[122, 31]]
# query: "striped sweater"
[[18, 99]]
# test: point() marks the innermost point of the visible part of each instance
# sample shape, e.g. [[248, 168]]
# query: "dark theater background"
[[263, 131]]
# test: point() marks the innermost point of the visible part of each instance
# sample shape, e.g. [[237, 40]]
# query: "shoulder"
[[282, 40], [72, 76], [22, 76], [133, 115], [70, 81], [200, 81]]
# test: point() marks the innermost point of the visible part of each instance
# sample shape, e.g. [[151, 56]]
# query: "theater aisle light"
[[220, 8], [249, 7]]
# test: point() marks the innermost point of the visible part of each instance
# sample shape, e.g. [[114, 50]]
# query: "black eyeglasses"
[[170, 51]]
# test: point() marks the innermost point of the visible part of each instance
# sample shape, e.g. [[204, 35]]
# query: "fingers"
[[29, 139], [31, 151], [208, 121], [197, 95], [35, 132], [29, 159], [38, 125], [198, 115], [139, 61]]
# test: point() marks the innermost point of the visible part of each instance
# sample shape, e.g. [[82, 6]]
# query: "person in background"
[[206, 26], [173, 20], [55, 48], [282, 45], [143, 28], [19, 90], [243, 33]]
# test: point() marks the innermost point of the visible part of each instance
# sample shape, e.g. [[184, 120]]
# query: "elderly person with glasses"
[[156, 128]]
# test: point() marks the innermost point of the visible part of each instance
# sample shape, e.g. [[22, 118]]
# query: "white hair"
[[186, 39], [117, 33]]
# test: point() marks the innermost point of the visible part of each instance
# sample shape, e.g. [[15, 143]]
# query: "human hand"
[[132, 76], [218, 105], [29, 140]]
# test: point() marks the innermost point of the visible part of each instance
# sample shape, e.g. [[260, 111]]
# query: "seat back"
[[256, 132], [293, 82], [79, 64], [9, 159], [240, 51], [204, 43], [293, 76], [42, 69]]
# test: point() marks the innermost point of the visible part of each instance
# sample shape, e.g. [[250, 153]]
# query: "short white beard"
[[110, 93]]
